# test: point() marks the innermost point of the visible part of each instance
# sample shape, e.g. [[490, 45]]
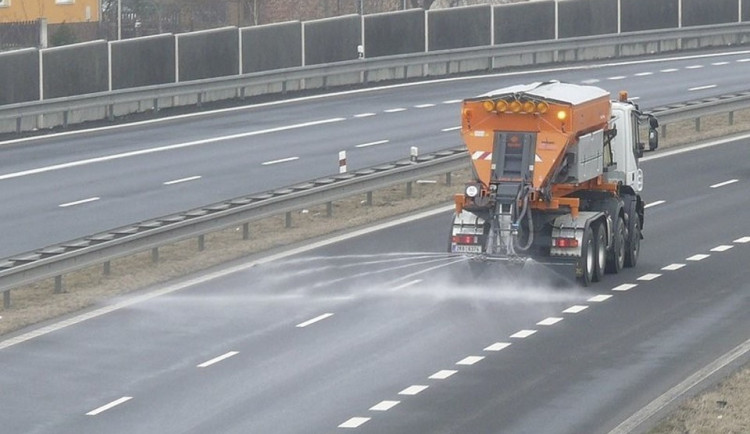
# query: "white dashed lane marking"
[[354, 422], [575, 309], [698, 257], [215, 360], [445, 130], [617, 77], [79, 202], [413, 390], [452, 101], [673, 267], [743, 60], [719, 63], [625, 287], [181, 180], [468, 361], [375, 143], [442, 375], [694, 67], [742, 240], [314, 320], [281, 160], [112, 404], [649, 276], [498, 346], [722, 184], [708, 86], [421, 106], [599, 298], [722, 248], [654, 203], [395, 110], [549, 321], [384, 405], [364, 115], [644, 74], [669, 70], [523, 334]]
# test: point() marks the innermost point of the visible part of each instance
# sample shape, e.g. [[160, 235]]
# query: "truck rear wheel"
[[616, 259], [600, 255], [587, 262], [633, 248]]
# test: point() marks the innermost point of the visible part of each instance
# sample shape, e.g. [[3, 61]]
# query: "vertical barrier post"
[[246, 231], [6, 299], [342, 161], [58, 285]]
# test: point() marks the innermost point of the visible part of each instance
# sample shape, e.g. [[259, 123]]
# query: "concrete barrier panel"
[[273, 46], [75, 69], [703, 13], [394, 33], [208, 54], [523, 22], [459, 27], [143, 61], [587, 18], [20, 73], [640, 15], [332, 39]]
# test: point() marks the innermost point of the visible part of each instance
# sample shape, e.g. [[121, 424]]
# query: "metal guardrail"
[[59, 259], [572, 49]]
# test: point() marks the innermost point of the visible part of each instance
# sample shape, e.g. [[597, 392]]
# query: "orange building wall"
[[55, 11]]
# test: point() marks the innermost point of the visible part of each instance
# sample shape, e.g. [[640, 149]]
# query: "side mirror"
[[653, 138]]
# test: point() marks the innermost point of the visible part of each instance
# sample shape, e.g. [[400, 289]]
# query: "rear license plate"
[[466, 248]]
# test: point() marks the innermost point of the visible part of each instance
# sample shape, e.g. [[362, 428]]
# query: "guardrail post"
[[65, 119], [107, 268], [697, 124], [448, 178], [58, 285], [731, 118], [369, 198], [329, 209], [6, 299], [408, 189], [288, 219], [200, 99], [246, 231], [155, 255], [201, 243], [156, 105], [18, 124], [111, 112]]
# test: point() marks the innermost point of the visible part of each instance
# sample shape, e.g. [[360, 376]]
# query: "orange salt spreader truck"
[[556, 178]]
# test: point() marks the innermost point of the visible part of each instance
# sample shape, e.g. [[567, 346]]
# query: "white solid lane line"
[[624, 287], [314, 320], [722, 184], [384, 405], [468, 361], [354, 422], [106, 407], [281, 160], [698, 257], [445, 130], [413, 390], [708, 86], [498, 346], [654, 203], [722, 248], [79, 202], [649, 276], [673, 267], [216, 360], [522, 334], [165, 148], [179, 181], [442, 375], [549, 321], [395, 110], [575, 309], [364, 115], [367, 145], [599, 298]]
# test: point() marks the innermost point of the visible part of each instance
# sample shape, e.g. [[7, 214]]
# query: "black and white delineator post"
[[342, 161]]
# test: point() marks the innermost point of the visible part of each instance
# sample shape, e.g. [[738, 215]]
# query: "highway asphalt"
[[63, 186], [383, 333]]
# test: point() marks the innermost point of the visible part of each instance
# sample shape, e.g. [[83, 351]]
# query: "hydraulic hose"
[[526, 212]]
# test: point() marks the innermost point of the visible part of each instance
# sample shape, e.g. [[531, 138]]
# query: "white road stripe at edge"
[[79, 202], [314, 320], [662, 402], [106, 407], [380, 88], [214, 275], [164, 148], [216, 360]]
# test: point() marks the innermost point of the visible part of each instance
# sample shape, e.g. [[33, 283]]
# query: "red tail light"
[[564, 242], [465, 239]]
